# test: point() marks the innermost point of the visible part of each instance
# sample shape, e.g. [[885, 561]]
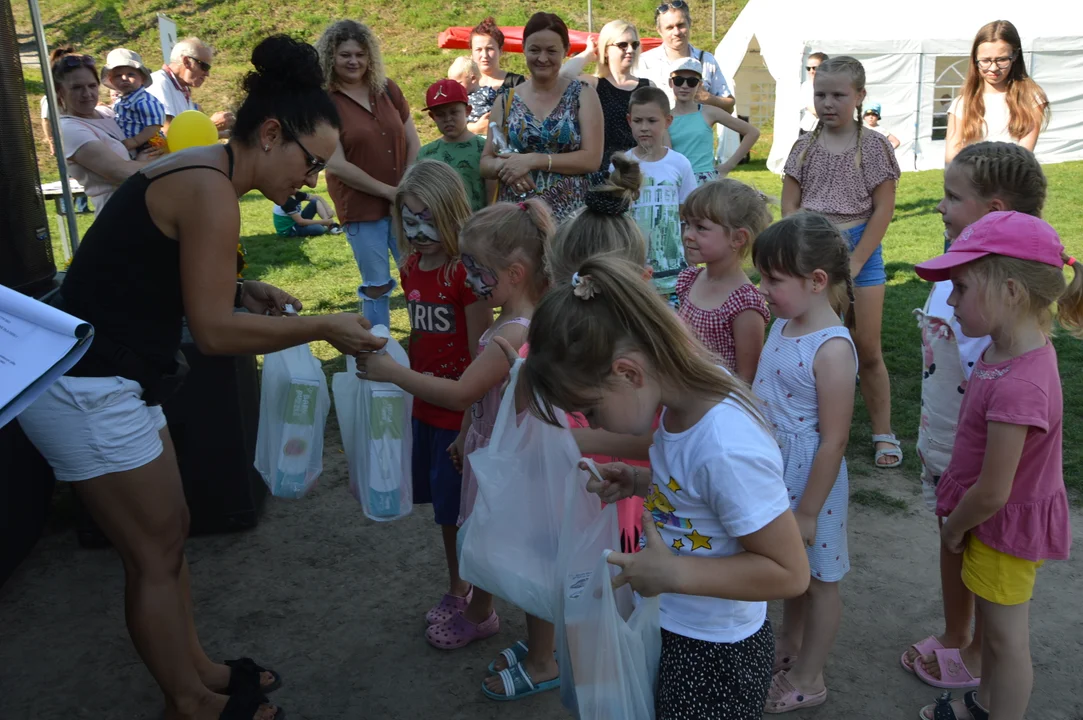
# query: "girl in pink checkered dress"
[[718, 302]]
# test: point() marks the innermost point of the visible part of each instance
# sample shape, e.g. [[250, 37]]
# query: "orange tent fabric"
[[458, 38]]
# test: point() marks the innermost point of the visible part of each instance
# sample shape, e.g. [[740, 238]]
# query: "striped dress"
[[787, 387]]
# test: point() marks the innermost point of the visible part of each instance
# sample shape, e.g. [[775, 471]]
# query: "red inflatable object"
[[458, 38]]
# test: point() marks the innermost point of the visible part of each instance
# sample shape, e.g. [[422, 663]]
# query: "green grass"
[[321, 271], [878, 499]]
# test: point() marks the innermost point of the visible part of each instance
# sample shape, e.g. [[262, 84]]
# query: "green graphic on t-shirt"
[[465, 159]]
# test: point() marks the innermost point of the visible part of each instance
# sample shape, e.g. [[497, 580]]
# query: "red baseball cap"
[[1012, 234], [445, 92]]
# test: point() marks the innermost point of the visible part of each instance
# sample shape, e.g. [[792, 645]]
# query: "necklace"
[[845, 143]]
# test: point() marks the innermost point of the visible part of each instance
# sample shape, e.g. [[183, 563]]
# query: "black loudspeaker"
[[26, 254], [213, 420], [26, 488]]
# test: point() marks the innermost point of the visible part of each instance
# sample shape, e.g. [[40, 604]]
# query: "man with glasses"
[[674, 22], [808, 112], [189, 66]]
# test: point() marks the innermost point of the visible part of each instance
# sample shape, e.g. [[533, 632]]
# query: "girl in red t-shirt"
[[446, 321]]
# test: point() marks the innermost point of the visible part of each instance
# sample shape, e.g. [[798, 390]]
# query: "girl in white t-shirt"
[[720, 538], [983, 178], [999, 101], [806, 382]]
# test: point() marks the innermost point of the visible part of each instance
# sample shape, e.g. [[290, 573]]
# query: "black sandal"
[[244, 706], [944, 711], [244, 677]]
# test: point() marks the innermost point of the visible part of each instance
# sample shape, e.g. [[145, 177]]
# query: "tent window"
[[950, 76], [761, 103]]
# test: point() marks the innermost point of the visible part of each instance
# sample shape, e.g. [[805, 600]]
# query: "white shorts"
[[87, 427]]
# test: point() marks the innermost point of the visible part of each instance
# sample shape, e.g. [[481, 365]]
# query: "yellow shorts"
[[995, 576]]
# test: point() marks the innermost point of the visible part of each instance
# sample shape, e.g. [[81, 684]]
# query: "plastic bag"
[[609, 646], [375, 419], [509, 542], [293, 409]]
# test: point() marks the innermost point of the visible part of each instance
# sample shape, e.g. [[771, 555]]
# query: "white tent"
[[915, 61]]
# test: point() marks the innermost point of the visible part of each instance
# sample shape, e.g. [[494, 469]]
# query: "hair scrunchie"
[[606, 203]]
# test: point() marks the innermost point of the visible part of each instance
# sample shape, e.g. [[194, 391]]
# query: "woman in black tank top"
[[617, 53], [162, 249]]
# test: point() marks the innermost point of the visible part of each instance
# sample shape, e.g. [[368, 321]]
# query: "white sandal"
[[895, 451]]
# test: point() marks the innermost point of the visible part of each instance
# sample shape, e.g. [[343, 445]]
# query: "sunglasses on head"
[[667, 6], [623, 45], [70, 62], [204, 66], [679, 80], [315, 165]]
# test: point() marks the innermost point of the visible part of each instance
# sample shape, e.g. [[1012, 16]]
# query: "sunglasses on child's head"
[[679, 80]]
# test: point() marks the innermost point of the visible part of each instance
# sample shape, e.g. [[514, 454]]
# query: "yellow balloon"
[[191, 129]]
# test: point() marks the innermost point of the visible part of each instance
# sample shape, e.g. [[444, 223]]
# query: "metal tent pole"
[[54, 123], [590, 16], [714, 19]]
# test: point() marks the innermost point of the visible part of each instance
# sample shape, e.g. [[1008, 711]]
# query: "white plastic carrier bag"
[[375, 419], [509, 543], [609, 643], [293, 409]]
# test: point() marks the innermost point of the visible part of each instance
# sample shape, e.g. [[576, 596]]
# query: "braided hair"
[[856, 71], [1006, 171]]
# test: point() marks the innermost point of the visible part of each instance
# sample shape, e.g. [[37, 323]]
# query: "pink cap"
[[1012, 234], [445, 92]]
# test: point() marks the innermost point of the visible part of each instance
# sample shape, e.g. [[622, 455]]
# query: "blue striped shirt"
[[138, 110]]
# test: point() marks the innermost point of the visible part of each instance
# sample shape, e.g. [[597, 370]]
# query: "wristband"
[[239, 295], [550, 168]]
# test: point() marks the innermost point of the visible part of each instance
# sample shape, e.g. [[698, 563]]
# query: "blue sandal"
[[518, 685], [512, 656]]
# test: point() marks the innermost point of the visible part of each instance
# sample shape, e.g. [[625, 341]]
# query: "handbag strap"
[[504, 126]]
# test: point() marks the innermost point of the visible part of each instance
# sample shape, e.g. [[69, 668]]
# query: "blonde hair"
[[609, 34], [505, 233], [577, 332], [598, 230], [463, 66], [802, 243], [441, 189], [344, 31], [1028, 106], [732, 204], [1043, 287], [1006, 171], [856, 71]]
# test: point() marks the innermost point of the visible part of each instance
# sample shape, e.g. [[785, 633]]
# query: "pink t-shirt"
[[77, 132], [1034, 524]]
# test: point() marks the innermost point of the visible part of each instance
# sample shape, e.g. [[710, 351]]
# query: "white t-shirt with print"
[[667, 183], [997, 117], [717, 481]]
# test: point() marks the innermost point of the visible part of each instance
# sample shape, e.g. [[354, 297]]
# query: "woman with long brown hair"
[[999, 101]]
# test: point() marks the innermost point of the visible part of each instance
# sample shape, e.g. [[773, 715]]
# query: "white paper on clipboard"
[[38, 344]]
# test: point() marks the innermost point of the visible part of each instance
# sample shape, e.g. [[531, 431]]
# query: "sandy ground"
[[336, 603]]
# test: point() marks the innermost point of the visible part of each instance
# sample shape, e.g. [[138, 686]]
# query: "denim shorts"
[[872, 272], [436, 480]]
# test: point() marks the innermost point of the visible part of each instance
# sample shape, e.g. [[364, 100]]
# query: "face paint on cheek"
[[481, 278]]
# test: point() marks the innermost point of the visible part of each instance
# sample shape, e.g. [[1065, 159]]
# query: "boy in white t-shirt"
[[668, 180]]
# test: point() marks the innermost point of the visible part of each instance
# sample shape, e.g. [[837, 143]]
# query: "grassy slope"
[[322, 272]]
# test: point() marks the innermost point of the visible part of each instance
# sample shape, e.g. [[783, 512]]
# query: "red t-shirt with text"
[[439, 346]]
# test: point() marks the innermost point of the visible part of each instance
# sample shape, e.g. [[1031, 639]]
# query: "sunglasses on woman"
[[1001, 62], [667, 6], [315, 165], [70, 62], [624, 44], [679, 80]]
